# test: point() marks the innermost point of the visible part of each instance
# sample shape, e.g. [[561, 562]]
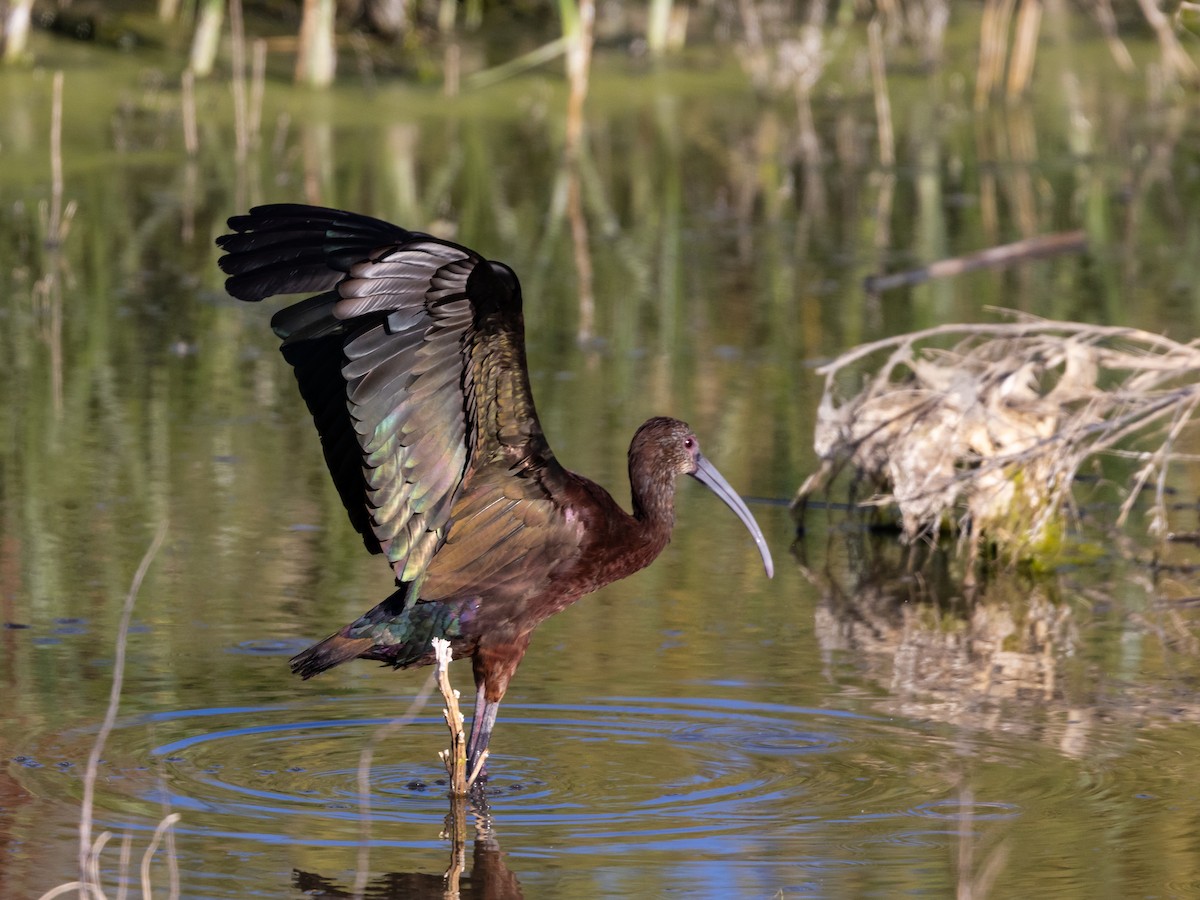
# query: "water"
[[854, 728]]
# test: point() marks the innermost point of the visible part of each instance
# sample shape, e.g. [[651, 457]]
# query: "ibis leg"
[[482, 723]]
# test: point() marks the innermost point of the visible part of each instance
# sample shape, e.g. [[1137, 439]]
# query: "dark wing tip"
[[291, 248]]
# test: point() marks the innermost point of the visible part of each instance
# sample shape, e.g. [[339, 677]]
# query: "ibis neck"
[[653, 504]]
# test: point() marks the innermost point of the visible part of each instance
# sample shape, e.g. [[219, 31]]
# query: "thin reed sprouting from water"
[[114, 702], [88, 884], [237, 53]]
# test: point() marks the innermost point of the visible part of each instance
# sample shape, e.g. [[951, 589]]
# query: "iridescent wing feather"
[[412, 364]]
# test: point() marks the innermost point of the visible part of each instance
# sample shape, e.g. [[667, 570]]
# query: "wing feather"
[[289, 248], [412, 363]]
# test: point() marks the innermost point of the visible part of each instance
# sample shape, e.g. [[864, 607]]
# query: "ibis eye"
[[689, 443]]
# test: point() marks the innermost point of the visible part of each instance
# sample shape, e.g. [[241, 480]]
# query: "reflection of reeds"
[[582, 252], [489, 876], [364, 776], [948, 649], [975, 883]]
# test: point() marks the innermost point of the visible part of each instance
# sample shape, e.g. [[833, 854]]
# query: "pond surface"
[[855, 727]]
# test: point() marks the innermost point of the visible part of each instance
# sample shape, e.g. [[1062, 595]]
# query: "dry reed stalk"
[[162, 829], [207, 37], [666, 26], [883, 106], [658, 24], [579, 19], [191, 135], [993, 47], [127, 857], [241, 123], [14, 30], [1020, 66], [316, 56]]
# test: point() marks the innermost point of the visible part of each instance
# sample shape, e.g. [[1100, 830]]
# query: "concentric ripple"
[[628, 769], [623, 775]]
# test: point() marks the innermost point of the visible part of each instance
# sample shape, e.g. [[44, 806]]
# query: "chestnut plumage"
[[411, 357]]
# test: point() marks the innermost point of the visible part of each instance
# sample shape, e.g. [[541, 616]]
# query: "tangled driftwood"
[[988, 434]]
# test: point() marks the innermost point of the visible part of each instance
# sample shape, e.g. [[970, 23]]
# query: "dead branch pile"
[[989, 434]]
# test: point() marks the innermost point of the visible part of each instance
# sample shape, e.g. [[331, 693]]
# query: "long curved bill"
[[706, 473]]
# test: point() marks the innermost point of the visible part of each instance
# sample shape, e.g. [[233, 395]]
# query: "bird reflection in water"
[[488, 878]]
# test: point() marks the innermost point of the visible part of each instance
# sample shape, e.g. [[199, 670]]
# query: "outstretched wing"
[[412, 363], [290, 248]]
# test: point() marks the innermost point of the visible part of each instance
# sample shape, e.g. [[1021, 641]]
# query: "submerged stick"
[[1002, 255], [530, 60]]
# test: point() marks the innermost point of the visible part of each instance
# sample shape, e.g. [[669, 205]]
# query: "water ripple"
[[728, 776]]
